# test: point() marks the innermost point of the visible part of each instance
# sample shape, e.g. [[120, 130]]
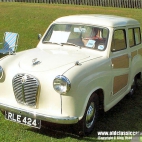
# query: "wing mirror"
[[39, 36]]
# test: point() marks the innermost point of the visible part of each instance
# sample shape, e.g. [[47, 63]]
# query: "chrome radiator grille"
[[26, 88]]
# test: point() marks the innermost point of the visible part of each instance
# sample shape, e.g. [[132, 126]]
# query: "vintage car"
[[83, 63]]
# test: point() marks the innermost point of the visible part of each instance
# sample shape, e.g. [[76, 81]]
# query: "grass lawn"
[[28, 20]]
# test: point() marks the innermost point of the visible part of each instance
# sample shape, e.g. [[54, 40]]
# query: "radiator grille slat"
[[26, 88]]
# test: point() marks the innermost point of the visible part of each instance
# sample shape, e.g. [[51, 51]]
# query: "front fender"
[[83, 84]]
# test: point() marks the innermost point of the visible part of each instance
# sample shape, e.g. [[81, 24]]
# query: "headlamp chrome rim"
[[61, 84]]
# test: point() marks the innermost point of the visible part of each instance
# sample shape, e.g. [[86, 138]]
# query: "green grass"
[[28, 20], [31, 19]]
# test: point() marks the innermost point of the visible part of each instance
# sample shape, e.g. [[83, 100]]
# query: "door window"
[[119, 40]]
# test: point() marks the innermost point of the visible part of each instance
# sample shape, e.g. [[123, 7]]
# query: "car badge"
[[24, 79], [35, 62]]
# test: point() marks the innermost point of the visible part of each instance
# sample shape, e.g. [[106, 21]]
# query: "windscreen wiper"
[[53, 42], [68, 43]]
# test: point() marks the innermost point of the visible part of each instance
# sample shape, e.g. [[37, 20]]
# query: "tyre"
[[133, 87], [86, 125]]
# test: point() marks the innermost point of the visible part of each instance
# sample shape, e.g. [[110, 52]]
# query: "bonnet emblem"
[[35, 62], [24, 79]]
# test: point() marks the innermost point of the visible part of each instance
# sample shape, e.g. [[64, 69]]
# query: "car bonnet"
[[48, 59]]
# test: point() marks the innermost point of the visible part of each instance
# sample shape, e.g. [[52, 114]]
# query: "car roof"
[[98, 19]]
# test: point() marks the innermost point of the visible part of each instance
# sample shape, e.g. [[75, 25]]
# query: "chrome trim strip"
[[40, 116]]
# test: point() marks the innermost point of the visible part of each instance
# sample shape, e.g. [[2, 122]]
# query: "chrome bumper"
[[40, 116]]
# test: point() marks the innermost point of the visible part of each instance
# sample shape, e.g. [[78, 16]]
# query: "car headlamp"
[[61, 84], [1, 72]]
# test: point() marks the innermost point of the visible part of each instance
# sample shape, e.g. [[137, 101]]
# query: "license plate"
[[32, 122]]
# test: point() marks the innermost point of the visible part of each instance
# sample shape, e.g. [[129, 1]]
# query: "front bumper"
[[40, 116]]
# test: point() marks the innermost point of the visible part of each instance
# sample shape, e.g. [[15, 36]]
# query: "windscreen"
[[78, 35]]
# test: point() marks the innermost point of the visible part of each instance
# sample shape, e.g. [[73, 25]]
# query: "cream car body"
[[107, 72]]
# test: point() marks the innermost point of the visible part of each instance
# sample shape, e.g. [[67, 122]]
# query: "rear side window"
[[119, 40], [134, 36]]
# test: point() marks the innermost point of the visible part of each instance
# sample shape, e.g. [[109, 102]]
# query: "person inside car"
[[95, 35]]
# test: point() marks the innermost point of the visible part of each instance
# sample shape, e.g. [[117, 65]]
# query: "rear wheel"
[[133, 86]]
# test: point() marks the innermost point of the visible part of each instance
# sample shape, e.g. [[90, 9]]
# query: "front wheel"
[[87, 123]]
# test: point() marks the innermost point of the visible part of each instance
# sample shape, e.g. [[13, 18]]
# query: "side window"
[[119, 40], [137, 35], [134, 36]]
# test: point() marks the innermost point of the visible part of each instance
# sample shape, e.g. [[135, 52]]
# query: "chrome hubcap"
[[90, 116], [132, 88]]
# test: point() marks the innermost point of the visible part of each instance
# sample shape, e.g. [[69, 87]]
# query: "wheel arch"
[[138, 75], [100, 94]]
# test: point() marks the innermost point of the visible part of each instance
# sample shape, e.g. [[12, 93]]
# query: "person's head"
[[95, 31]]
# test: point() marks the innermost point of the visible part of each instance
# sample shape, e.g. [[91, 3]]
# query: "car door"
[[120, 62]]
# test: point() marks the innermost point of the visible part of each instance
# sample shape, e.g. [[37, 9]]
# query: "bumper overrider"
[[40, 116]]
